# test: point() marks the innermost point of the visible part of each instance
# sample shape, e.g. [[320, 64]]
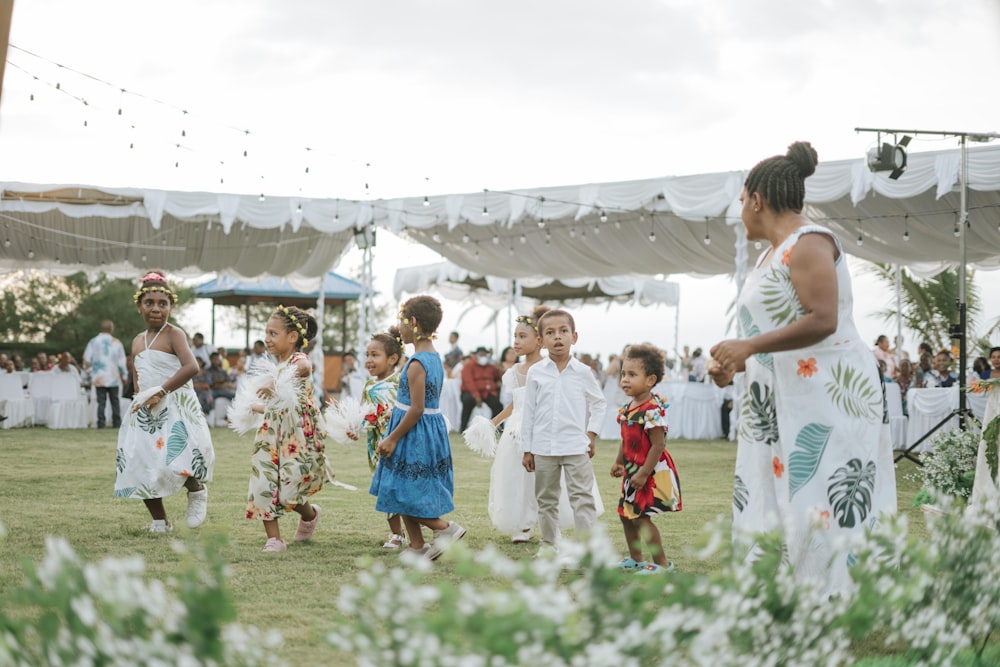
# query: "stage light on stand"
[[889, 157]]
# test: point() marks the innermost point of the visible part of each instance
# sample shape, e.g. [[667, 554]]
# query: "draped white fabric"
[[897, 421], [674, 224], [455, 282], [15, 404], [985, 486], [69, 407], [927, 407], [695, 411]]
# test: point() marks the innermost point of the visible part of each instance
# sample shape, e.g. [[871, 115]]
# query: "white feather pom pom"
[[287, 386], [242, 419], [343, 417], [481, 436]]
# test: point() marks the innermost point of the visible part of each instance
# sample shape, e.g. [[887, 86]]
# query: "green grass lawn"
[[61, 483]]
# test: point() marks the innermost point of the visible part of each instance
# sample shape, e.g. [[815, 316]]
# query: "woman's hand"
[[731, 355], [150, 402], [265, 393], [720, 376]]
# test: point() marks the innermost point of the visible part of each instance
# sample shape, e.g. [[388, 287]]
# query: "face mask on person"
[[482, 360]]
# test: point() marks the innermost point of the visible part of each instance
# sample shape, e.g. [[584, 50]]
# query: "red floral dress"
[[662, 490]]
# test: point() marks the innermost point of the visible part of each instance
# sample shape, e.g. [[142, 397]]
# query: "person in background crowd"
[[454, 356], [980, 369], [697, 366], [105, 357], [200, 349], [259, 353], [905, 378], [352, 376], [218, 379], [941, 376], [18, 362], [885, 355], [35, 365], [223, 358], [480, 384], [994, 363], [66, 364], [923, 370], [508, 358]]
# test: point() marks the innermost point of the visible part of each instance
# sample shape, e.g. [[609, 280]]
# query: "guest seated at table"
[[453, 357], [218, 379], [66, 364], [980, 370], [941, 376], [883, 369], [8, 366], [18, 363], [994, 363], [480, 384], [203, 387], [922, 370], [905, 378]]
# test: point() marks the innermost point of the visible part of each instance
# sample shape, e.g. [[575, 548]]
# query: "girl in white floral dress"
[[288, 464], [814, 457], [164, 443]]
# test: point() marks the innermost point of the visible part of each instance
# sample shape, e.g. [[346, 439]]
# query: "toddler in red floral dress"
[[650, 484]]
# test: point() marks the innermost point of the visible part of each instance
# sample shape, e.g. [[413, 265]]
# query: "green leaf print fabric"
[[159, 449], [814, 459]]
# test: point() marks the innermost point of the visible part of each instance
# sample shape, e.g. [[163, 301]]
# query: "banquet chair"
[[40, 390], [897, 420], [17, 407], [69, 407], [218, 415]]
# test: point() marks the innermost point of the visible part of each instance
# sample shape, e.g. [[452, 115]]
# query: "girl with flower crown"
[[164, 443], [650, 485], [288, 463]]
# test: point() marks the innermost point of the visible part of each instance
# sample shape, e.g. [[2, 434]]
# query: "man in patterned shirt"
[[105, 357]]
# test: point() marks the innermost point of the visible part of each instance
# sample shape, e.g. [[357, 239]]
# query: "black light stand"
[[958, 331]]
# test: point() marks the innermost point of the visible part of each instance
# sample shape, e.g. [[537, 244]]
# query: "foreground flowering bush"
[[949, 467], [929, 599], [70, 612]]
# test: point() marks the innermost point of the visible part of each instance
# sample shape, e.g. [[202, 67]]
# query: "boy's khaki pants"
[[579, 474]]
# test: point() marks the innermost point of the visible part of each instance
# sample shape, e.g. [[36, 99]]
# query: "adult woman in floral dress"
[[814, 457]]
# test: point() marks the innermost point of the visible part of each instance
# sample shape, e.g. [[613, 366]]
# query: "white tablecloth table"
[[928, 407], [695, 410]]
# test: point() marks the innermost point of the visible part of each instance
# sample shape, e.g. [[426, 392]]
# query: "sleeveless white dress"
[[512, 505], [159, 448], [814, 456]]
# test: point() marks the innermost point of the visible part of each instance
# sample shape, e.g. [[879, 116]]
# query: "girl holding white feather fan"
[[164, 444], [288, 464]]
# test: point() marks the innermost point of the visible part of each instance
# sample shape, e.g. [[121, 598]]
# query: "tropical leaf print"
[[177, 442], [124, 493], [763, 422], [779, 298], [850, 494], [198, 468], [991, 435], [120, 460], [853, 393], [189, 406], [810, 444], [748, 330], [741, 494], [149, 421]]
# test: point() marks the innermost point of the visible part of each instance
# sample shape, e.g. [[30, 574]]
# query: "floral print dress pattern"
[[814, 457], [288, 464], [378, 397], [662, 490], [159, 448]]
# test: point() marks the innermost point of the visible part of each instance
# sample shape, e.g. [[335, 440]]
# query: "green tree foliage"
[[929, 305], [64, 312]]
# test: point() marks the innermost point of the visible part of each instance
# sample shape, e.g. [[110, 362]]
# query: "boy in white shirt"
[[563, 411]]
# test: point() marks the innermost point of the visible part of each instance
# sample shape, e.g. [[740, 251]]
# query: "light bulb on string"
[[604, 216], [298, 207], [427, 202], [485, 211], [597, 230], [548, 237], [523, 239], [861, 239], [708, 239], [143, 258], [572, 232], [261, 198], [465, 238], [541, 223], [496, 239], [511, 251], [618, 223], [31, 254], [652, 237], [906, 228], [957, 232], [436, 237]]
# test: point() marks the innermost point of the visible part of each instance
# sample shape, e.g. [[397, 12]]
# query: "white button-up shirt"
[[556, 407]]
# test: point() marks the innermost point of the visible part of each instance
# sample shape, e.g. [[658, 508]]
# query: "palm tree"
[[929, 306]]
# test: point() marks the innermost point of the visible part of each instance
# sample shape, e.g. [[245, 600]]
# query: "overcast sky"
[[399, 98]]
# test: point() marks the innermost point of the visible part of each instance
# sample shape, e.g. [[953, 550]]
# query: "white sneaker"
[[161, 526], [197, 507], [444, 537], [523, 536]]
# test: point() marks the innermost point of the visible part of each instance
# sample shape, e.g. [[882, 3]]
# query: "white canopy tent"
[[670, 225], [690, 224]]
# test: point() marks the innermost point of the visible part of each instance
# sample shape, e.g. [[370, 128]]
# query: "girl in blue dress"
[[414, 476]]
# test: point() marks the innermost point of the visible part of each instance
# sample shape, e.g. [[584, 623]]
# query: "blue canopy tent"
[[336, 290]]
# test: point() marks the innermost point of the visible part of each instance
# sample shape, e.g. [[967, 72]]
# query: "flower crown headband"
[[295, 321], [526, 319]]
